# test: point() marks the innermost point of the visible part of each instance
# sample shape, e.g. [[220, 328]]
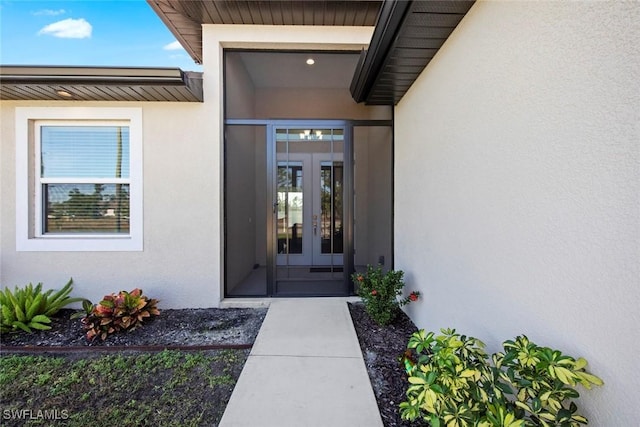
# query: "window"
[[79, 179], [84, 178]]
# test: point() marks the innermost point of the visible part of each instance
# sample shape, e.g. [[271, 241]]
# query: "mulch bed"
[[382, 347], [174, 327]]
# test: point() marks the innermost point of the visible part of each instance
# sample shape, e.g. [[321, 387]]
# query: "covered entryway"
[[307, 198]]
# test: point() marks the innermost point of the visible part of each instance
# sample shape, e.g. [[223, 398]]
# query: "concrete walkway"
[[305, 369]]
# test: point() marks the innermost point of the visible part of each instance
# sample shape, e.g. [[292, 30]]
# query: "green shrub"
[[118, 312], [454, 384], [380, 291], [29, 308]]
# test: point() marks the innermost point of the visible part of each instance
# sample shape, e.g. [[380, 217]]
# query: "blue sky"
[[87, 32]]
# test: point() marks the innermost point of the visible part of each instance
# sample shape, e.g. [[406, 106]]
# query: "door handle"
[[315, 225]]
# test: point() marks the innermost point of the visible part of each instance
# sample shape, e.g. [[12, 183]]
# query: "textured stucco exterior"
[[517, 186], [175, 263]]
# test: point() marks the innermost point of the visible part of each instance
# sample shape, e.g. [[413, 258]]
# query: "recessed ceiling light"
[[311, 61], [64, 93]]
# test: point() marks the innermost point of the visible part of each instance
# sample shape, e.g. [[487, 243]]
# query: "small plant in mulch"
[[124, 311], [30, 308], [380, 292]]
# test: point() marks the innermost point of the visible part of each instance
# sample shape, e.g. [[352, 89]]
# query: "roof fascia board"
[[196, 56], [390, 18], [47, 70], [92, 75]]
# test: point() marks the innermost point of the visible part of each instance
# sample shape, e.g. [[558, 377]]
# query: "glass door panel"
[[290, 207], [309, 177], [331, 207], [328, 209], [293, 201]]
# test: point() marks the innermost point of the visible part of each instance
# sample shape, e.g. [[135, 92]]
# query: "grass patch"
[[169, 388]]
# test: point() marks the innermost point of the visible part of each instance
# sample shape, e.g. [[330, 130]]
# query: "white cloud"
[[49, 12], [173, 46], [68, 29]]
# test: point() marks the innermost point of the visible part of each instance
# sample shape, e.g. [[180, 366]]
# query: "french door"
[[309, 209]]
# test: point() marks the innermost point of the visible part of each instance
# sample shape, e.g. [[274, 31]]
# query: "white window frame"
[[29, 233]]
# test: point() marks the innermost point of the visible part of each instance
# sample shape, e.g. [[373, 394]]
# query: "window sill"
[[68, 243]]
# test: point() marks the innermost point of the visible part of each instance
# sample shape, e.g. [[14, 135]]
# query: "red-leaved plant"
[[118, 312]]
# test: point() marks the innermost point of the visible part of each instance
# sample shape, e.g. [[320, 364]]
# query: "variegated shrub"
[[453, 384], [118, 312]]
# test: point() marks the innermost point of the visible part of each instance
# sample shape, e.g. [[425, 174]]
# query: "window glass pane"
[[290, 207], [309, 134], [85, 151], [86, 208], [331, 179]]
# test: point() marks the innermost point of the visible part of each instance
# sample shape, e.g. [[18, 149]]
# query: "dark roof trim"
[[195, 52], [407, 36], [20, 82], [371, 61]]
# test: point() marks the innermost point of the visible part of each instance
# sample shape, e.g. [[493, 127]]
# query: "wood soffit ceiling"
[[185, 18], [99, 84], [407, 36]]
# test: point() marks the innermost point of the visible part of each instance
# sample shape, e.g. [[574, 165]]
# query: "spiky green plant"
[[29, 308]]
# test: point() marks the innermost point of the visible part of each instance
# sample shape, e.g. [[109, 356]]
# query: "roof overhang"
[[185, 18], [407, 36], [99, 84], [407, 33]]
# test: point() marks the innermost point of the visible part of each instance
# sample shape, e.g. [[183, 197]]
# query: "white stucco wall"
[[517, 188], [176, 264]]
